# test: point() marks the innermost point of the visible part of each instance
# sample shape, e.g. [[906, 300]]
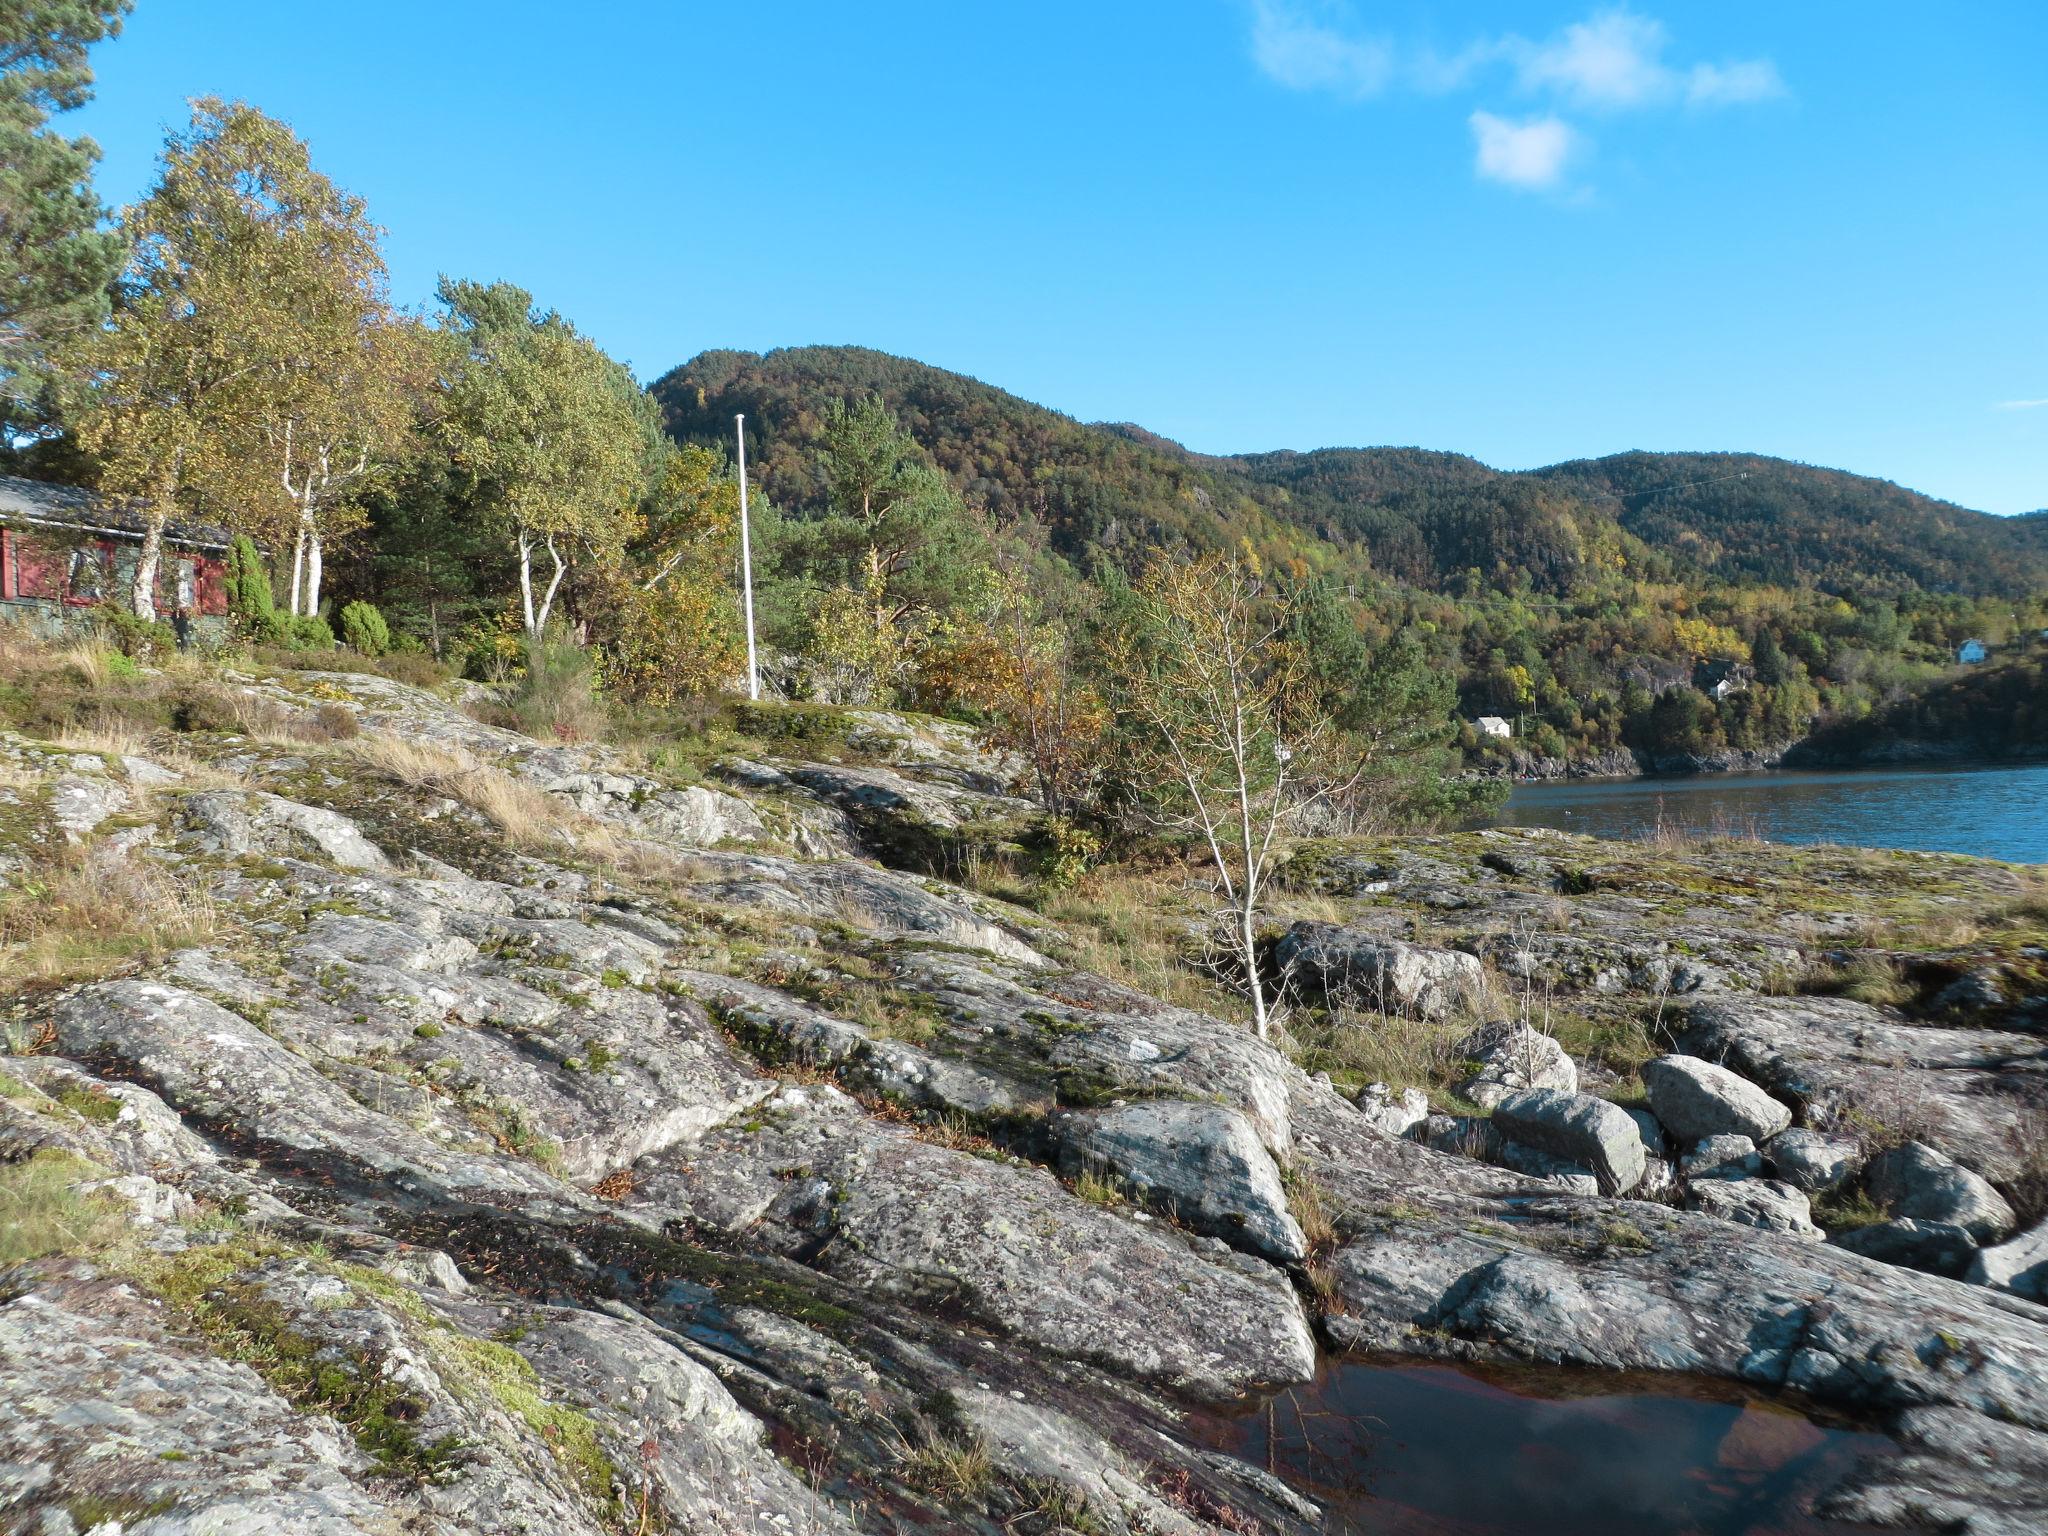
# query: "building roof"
[[75, 510]]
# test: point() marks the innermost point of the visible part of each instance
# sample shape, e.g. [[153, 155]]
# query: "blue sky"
[[1529, 232]]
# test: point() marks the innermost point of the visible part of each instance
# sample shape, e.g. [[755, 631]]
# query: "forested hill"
[[1440, 521]]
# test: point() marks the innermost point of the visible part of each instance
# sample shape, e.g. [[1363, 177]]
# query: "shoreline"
[[1799, 756]]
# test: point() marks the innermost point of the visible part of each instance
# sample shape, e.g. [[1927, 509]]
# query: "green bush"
[[252, 610], [559, 698], [363, 629], [311, 633], [138, 639]]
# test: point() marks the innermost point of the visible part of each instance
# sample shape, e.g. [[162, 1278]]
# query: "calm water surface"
[[1425, 1450], [1998, 812]]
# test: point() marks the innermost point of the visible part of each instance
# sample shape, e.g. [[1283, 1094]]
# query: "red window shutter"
[[6, 564], [213, 592], [37, 571]]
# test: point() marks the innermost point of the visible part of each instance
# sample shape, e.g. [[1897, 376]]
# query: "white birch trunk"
[[142, 594]]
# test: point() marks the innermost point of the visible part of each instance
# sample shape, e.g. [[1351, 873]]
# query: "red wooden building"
[[63, 550]]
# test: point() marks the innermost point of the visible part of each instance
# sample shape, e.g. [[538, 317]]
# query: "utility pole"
[[747, 566]]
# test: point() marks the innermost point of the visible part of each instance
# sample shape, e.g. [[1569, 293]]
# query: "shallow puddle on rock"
[[1429, 1450]]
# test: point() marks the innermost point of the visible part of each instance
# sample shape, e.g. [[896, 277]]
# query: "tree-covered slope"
[[1745, 517], [1427, 519], [1092, 487]]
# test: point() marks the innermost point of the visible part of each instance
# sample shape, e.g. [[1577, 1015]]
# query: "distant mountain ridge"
[[1426, 518]]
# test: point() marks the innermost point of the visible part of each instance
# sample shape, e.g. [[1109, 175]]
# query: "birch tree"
[[548, 432], [1222, 732], [253, 368], [345, 415], [172, 414]]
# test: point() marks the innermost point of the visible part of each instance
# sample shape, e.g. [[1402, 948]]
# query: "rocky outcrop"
[[1379, 973], [648, 1181], [1968, 1091], [1004, 1243]]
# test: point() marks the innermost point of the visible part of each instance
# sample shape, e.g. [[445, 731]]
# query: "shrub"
[[138, 639], [559, 700], [363, 629], [311, 632], [252, 610]]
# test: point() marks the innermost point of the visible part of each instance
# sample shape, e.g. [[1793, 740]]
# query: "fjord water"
[[1427, 1450], [1993, 812]]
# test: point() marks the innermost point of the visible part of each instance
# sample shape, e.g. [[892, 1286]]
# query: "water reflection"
[[1424, 1450], [1999, 813]]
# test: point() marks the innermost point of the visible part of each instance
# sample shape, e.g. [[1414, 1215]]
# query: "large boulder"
[[1203, 1161], [1511, 1056], [1811, 1161], [1579, 1129], [1696, 1099], [2019, 1266], [1766, 1204], [1933, 1247], [1378, 972], [1915, 1180]]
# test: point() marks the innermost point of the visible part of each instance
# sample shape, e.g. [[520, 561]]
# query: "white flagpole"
[[747, 566]]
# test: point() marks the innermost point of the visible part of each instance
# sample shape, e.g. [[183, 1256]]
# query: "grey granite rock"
[[1512, 1056], [1768, 1204], [1967, 1091], [1004, 1243], [1578, 1129], [1378, 972], [1722, 1157], [1695, 1099], [1395, 1114], [2019, 1265], [1917, 1181], [1813, 1162], [1204, 1162], [1937, 1247]]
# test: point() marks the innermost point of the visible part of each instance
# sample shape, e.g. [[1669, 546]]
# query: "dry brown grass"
[[527, 818], [1140, 927], [1357, 1046], [86, 914], [106, 738]]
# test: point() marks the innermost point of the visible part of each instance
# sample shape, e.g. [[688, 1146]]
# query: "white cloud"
[[1531, 155], [1294, 49], [1613, 60], [1733, 84], [2022, 405]]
